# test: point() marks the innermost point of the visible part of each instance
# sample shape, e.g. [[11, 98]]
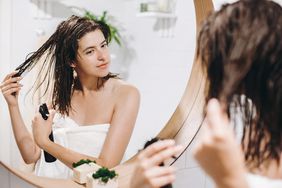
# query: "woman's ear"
[[73, 64]]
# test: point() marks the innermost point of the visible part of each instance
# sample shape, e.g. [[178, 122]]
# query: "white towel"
[[87, 140], [257, 181]]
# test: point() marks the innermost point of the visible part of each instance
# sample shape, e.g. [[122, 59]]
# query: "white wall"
[[9, 180]]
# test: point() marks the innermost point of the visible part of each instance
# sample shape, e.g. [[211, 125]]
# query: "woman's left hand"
[[41, 128], [217, 151]]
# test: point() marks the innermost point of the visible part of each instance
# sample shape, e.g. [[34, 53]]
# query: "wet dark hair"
[[240, 47], [59, 51]]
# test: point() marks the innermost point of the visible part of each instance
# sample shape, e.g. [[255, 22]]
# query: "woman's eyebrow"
[[90, 47]]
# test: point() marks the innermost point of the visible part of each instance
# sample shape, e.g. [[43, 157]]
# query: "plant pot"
[[80, 173], [96, 183]]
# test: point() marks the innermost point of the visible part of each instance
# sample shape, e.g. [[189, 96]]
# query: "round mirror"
[[157, 59], [152, 56]]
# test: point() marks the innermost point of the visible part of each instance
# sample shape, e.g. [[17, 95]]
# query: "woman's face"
[[93, 58]]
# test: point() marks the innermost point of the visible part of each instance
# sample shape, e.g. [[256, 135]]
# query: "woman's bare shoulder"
[[123, 89]]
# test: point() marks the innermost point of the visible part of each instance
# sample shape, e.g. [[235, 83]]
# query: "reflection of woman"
[[241, 50], [84, 93]]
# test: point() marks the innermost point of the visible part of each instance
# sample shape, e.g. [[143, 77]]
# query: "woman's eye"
[[90, 52], [104, 45]]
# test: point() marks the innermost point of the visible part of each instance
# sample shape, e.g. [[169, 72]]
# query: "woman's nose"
[[101, 54]]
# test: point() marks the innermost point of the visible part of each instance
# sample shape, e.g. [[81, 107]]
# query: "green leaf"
[[117, 40], [103, 18], [104, 174], [82, 161]]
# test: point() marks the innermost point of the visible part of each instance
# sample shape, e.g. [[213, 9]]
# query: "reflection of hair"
[[241, 49], [148, 143], [61, 50]]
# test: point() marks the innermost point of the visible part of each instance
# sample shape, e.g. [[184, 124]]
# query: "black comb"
[[20, 70]]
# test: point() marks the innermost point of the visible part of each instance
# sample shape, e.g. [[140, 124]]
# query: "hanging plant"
[[104, 18]]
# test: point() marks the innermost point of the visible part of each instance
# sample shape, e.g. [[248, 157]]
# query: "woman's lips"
[[103, 66]]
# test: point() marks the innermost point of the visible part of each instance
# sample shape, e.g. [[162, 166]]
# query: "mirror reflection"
[[89, 102], [140, 62]]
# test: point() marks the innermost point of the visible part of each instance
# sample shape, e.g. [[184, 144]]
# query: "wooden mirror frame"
[[183, 125], [187, 119]]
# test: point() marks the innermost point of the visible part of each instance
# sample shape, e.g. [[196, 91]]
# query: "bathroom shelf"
[[156, 15]]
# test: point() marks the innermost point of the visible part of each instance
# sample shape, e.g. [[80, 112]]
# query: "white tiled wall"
[[190, 177], [189, 174], [4, 177], [9, 180]]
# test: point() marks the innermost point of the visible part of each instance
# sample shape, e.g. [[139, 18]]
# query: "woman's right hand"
[[10, 88], [148, 173]]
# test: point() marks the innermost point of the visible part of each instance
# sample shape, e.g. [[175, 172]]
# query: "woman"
[[84, 94], [241, 49]]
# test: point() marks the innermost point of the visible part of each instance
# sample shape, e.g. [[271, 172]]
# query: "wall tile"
[[209, 183], [193, 177]]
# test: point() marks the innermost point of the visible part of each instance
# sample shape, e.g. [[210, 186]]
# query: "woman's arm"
[[116, 141], [41, 130], [122, 125], [10, 88]]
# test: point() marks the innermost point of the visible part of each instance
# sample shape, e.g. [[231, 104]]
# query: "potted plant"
[[102, 18], [102, 178]]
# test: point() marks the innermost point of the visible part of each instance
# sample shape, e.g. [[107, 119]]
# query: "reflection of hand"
[[148, 173], [217, 151], [42, 128], [11, 85]]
